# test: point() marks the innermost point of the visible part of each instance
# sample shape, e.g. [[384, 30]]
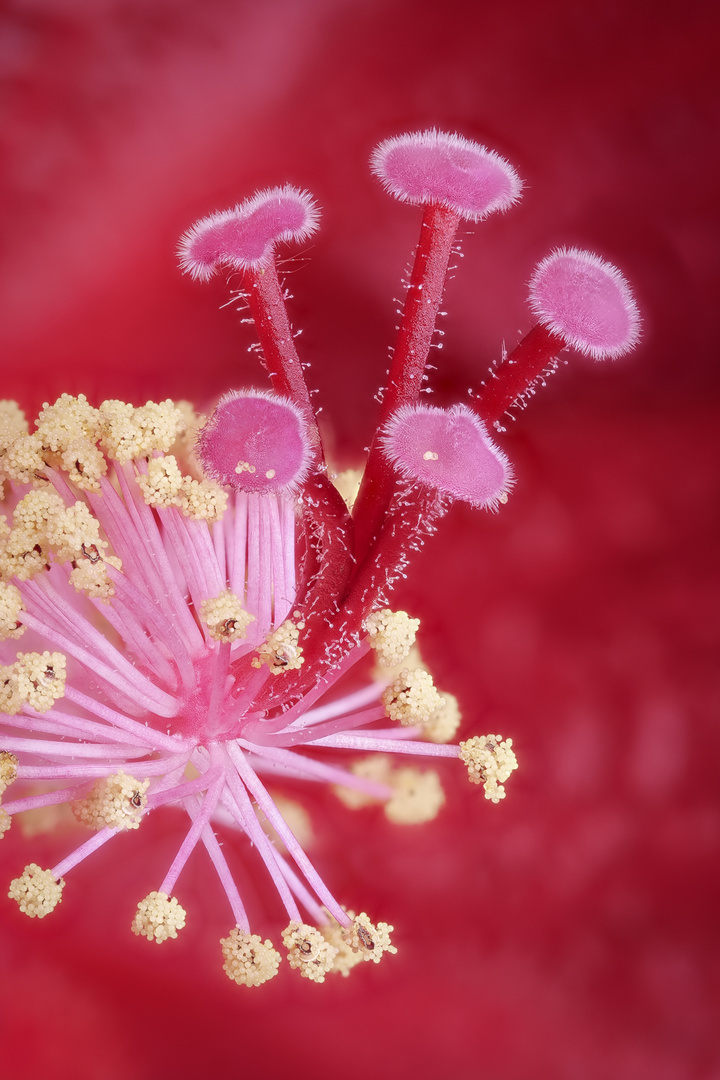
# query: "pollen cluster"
[[43, 526], [490, 760], [10, 608], [443, 724], [35, 679], [412, 698], [308, 951], [281, 652], [128, 432], [115, 802], [391, 634], [370, 941], [158, 917], [249, 961], [416, 794], [36, 891], [225, 618], [8, 770]]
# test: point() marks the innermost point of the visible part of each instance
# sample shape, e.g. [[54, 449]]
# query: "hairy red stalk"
[[517, 372], [422, 304]]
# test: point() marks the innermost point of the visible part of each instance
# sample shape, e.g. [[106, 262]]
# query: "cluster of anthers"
[[192, 594]]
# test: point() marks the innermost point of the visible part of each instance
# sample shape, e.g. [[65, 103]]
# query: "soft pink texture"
[[244, 237], [468, 465], [587, 301], [435, 167], [263, 430]]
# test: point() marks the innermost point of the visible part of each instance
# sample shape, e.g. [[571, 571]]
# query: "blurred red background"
[[572, 931]]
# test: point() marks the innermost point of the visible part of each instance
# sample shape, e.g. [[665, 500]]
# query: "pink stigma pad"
[[244, 238], [587, 301], [450, 451], [428, 167], [255, 442]]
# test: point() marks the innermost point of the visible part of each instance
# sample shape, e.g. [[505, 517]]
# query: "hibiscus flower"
[[574, 933]]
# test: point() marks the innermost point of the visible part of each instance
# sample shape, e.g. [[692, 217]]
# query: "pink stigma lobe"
[[244, 238], [448, 450], [255, 442], [587, 301], [435, 167]]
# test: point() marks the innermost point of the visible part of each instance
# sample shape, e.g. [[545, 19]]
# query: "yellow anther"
[[369, 940], [225, 618], [203, 500], [489, 760], [445, 721], [249, 961], [36, 891], [161, 486], [411, 698], [158, 917], [418, 796], [10, 608], [115, 802], [308, 951], [8, 770], [391, 634], [12, 424], [281, 651]]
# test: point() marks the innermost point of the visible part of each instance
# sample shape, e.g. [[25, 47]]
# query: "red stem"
[[517, 373], [427, 284], [267, 307]]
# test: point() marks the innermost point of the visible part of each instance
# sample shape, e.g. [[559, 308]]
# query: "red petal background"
[[571, 932]]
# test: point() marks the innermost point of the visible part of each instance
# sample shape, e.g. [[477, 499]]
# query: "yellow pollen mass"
[[225, 618], [281, 651], [12, 425], [158, 917], [445, 721], [411, 698], [35, 679], [162, 483], [244, 466], [23, 461], [249, 961], [70, 420], [84, 463], [369, 940], [392, 635], [115, 802], [490, 761], [36, 891], [8, 770], [418, 796], [129, 432], [346, 958], [308, 951], [203, 500], [10, 607], [5, 822]]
